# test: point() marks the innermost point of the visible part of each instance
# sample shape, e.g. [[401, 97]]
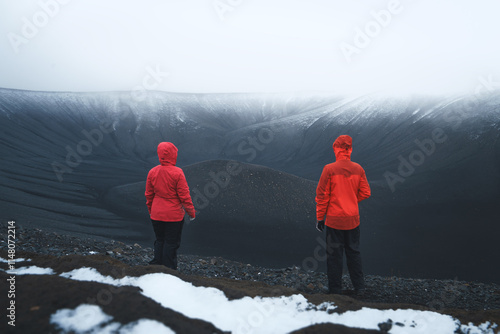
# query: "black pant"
[[168, 241], [337, 241]]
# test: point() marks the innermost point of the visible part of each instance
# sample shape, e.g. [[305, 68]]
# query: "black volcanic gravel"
[[436, 294]]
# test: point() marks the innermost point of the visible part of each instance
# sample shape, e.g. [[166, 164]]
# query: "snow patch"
[[82, 319], [32, 270], [91, 319], [266, 314], [486, 328], [2, 260]]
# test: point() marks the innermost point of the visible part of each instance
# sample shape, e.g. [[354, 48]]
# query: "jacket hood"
[[343, 147], [167, 153]]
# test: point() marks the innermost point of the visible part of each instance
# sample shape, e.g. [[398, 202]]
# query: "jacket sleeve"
[[184, 196], [150, 192], [323, 195], [364, 190]]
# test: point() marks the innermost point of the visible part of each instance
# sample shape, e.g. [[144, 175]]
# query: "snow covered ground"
[[245, 315]]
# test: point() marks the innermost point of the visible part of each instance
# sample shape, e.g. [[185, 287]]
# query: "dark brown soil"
[[39, 296]]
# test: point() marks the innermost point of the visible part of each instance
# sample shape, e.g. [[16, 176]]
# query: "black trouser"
[[168, 241], [337, 241]]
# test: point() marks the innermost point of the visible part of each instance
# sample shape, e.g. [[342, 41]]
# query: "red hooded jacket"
[[342, 186], [167, 191]]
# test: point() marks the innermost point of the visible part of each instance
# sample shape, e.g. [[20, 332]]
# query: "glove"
[[191, 219], [320, 225]]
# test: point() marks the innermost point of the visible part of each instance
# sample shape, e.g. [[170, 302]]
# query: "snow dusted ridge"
[[63, 152], [245, 315]]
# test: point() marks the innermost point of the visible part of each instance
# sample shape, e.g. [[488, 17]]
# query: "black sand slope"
[[433, 163], [262, 215]]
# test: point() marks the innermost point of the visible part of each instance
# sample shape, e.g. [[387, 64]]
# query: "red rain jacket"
[[167, 191], [342, 186]]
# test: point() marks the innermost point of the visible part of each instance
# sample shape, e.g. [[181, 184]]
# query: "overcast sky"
[[423, 46]]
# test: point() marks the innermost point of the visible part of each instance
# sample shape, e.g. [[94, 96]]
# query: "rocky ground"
[[467, 301]]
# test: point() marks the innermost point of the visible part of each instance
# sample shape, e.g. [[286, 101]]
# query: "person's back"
[[167, 199], [170, 192], [342, 186]]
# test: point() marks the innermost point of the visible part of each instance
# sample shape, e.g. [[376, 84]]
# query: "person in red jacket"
[[342, 186], [167, 199]]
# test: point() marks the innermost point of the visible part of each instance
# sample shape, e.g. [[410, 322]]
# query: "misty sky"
[[422, 46]]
